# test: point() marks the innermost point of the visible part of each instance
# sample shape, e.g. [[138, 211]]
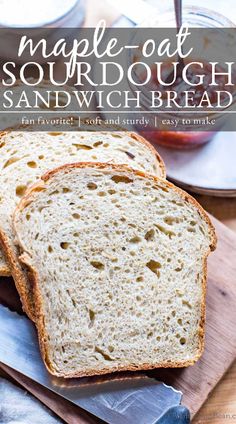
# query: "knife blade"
[[117, 399]]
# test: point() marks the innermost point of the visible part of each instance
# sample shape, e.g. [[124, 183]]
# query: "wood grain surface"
[[220, 407], [198, 381]]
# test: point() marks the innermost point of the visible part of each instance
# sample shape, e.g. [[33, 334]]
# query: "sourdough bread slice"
[[118, 260], [25, 156]]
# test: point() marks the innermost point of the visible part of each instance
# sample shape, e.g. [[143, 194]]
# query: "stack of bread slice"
[[108, 257]]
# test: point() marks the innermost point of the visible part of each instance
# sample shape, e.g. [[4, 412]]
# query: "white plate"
[[210, 169]]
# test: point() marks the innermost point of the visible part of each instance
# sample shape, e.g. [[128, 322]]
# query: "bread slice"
[[118, 261], [25, 156]]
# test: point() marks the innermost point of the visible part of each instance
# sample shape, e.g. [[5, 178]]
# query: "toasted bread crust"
[[5, 271], [37, 295], [18, 275]]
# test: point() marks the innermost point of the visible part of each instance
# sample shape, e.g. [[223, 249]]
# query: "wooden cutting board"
[[195, 382], [198, 381]]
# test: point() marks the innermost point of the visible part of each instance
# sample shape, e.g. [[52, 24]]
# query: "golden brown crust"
[[5, 271], [18, 276], [153, 150], [38, 298], [143, 367]]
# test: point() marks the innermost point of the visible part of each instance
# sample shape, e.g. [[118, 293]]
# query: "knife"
[[123, 398]]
